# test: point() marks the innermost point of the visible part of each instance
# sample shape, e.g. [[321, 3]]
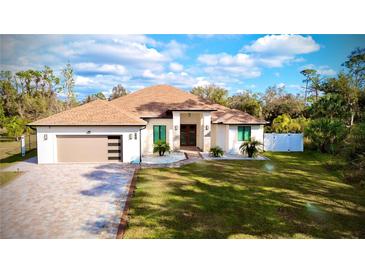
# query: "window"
[[159, 134], [244, 133]]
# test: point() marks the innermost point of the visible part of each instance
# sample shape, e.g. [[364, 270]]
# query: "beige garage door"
[[82, 148]]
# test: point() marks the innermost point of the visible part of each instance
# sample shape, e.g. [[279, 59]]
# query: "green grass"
[[7, 176], [10, 154], [12, 159], [8, 149], [292, 196]]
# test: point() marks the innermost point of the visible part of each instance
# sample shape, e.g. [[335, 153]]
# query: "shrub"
[[326, 134], [216, 151], [354, 152], [161, 147], [285, 124], [251, 148], [15, 126]]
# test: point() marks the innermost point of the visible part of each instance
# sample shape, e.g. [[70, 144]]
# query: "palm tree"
[[251, 148]]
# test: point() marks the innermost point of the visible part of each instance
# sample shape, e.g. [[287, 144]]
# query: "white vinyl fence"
[[283, 141]]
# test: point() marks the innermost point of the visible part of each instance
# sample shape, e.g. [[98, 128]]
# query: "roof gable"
[[97, 112]]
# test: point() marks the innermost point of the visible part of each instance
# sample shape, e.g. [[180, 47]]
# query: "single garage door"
[[82, 148]]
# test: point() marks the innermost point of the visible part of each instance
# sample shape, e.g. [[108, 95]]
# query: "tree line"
[[30, 95]]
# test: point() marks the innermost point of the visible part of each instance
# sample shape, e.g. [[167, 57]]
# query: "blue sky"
[[236, 62]]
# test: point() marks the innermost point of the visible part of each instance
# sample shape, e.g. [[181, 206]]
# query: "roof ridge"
[[149, 88]]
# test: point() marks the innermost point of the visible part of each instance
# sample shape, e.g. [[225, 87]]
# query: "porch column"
[[207, 129], [176, 130]]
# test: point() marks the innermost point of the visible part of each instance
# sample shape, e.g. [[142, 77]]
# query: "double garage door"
[[89, 149]]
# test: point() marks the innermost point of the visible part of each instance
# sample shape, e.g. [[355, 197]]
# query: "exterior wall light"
[[135, 136], [206, 127], [130, 136], [45, 137], [176, 127]]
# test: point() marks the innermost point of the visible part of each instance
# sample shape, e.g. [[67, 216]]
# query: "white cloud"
[[101, 68], [225, 59], [176, 67], [326, 72], [274, 61], [174, 49], [283, 44], [322, 70], [148, 74], [280, 85], [240, 64], [269, 51], [201, 81], [83, 81], [295, 87]]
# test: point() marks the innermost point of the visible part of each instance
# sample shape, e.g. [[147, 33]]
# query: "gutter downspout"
[[140, 144]]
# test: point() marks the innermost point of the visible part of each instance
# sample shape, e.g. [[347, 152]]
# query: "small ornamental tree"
[[161, 147], [251, 148], [216, 151]]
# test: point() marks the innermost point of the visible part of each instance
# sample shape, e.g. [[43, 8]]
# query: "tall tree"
[[69, 85], [246, 101], [276, 101], [211, 93], [26, 96], [117, 92], [308, 74], [355, 63], [342, 86], [100, 95]]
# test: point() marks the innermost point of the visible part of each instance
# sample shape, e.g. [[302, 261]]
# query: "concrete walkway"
[[64, 200]]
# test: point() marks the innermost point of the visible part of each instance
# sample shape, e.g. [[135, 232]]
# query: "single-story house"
[[126, 128]]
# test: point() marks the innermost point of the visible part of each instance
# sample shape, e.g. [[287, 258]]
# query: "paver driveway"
[[64, 200]]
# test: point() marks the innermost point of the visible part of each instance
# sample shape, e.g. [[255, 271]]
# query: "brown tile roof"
[[225, 115], [98, 112], [157, 101]]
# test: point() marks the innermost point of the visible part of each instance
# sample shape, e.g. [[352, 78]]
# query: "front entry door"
[[188, 135]]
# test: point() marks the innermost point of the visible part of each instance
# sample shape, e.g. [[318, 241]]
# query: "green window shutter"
[[163, 133], [247, 134], [159, 133], [156, 134], [240, 133]]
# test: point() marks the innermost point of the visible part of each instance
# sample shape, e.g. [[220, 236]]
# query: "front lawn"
[[292, 196], [12, 159]]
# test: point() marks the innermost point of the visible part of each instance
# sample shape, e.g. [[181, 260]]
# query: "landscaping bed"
[[168, 158]]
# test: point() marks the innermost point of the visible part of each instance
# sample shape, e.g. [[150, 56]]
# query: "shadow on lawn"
[[18, 157], [243, 200]]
